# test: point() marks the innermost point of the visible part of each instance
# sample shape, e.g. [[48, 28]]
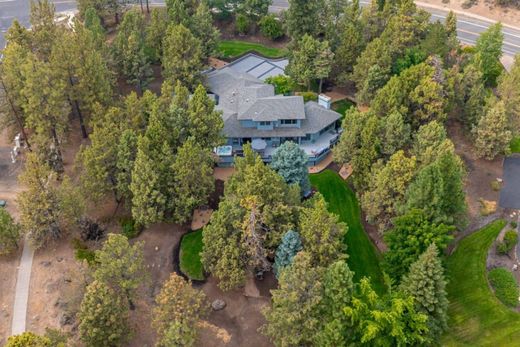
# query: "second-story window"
[[289, 121], [265, 123]]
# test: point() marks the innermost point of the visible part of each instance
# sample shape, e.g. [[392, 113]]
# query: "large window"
[[289, 121], [265, 123]]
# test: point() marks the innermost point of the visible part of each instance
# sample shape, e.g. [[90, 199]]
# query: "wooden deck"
[[322, 165]]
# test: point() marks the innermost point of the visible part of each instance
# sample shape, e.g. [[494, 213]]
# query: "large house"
[[253, 114]]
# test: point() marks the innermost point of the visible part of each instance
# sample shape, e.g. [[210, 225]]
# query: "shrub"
[[271, 27], [82, 252], [513, 224], [509, 242], [90, 230], [282, 84], [505, 286], [129, 228], [309, 96], [495, 185], [242, 24]]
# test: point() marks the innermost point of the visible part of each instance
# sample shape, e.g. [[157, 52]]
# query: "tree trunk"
[[77, 111], [16, 116], [142, 8], [147, 7], [321, 85], [117, 17]]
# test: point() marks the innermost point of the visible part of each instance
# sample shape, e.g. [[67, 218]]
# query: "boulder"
[[218, 305]]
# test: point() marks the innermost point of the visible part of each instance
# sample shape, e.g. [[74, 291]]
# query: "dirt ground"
[[238, 323], [480, 172], [484, 8]]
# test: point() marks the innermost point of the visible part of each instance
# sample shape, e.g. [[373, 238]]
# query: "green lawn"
[[363, 259], [476, 317], [230, 49], [189, 257], [342, 106], [515, 145]]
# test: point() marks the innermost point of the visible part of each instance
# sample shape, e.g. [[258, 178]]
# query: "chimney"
[[324, 101]]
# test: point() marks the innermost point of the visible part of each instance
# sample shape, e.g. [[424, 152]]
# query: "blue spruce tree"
[[290, 161], [290, 245]]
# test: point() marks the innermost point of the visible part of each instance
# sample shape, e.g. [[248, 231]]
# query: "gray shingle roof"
[[258, 66], [275, 108]]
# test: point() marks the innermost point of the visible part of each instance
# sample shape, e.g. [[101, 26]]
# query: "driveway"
[[510, 193]]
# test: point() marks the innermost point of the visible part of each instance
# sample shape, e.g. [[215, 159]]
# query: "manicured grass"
[[515, 145], [189, 256], [363, 259], [230, 49], [505, 286], [342, 106], [476, 317]]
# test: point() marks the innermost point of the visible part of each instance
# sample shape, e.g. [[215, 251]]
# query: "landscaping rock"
[[45, 263], [59, 259], [218, 305]]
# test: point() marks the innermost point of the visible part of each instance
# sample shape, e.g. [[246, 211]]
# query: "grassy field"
[[230, 49], [342, 106], [515, 145], [363, 259], [477, 318], [189, 257]]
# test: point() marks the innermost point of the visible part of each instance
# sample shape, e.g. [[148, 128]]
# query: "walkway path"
[[22, 290]]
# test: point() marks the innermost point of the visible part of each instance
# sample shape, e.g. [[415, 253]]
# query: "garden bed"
[[504, 285]]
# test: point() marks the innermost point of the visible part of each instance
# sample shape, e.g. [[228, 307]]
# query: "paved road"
[[468, 28]]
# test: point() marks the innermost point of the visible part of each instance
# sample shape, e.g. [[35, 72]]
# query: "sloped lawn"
[[189, 256], [476, 317], [230, 49], [364, 259]]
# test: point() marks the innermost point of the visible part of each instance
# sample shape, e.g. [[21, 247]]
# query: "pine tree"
[[396, 133], [103, 317], [203, 29], [291, 244], [411, 235], [156, 31], [290, 162], [310, 60], [425, 282], [489, 51], [121, 266], [98, 162], [194, 182], [431, 142], [439, 190], [9, 233], [387, 189], [179, 308], [126, 155], [44, 30], [206, 123], [149, 202], [182, 56], [18, 34], [92, 23], [492, 134], [322, 234], [28, 339], [351, 44], [292, 318], [45, 208], [475, 95], [303, 17], [510, 94]]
